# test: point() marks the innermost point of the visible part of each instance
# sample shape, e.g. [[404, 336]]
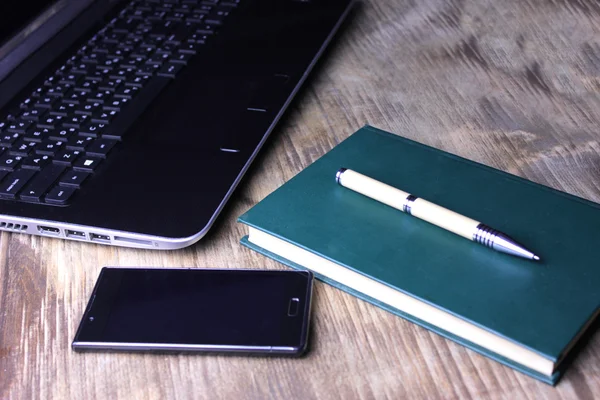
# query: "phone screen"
[[197, 309]]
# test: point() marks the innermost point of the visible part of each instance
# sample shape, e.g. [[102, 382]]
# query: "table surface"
[[512, 84]]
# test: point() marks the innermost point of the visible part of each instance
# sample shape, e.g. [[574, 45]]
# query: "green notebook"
[[522, 313]]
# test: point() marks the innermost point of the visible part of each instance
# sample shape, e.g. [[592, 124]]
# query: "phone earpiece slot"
[[293, 306]]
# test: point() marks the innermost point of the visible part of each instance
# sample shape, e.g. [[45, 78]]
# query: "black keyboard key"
[[8, 139], [223, 10], [123, 73], [3, 174], [170, 70], [97, 75], [147, 69], [195, 18], [143, 51], [111, 84], [180, 58], [18, 126], [71, 78], [51, 81], [63, 109], [102, 47], [113, 37], [75, 59], [167, 49], [190, 47], [124, 25], [198, 38], [57, 91], [33, 114], [88, 86], [130, 42], [76, 96], [14, 182], [86, 163], [39, 92], [88, 108], [8, 162], [172, 31], [110, 62], [73, 178], [127, 92], [63, 134], [156, 16], [93, 129], [138, 81], [185, 8], [100, 97], [176, 16], [120, 52], [27, 103], [40, 184], [75, 121], [66, 157], [100, 147], [134, 61], [79, 142], [49, 147], [206, 30], [12, 115], [104, 116], [22, 147], [80, 69], [158, 58], [214, 19], [116, 104], [50, 122], [36, 162], [59, 195], [37, 134]]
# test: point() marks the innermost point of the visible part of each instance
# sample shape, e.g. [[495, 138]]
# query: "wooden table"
[[512, 84]]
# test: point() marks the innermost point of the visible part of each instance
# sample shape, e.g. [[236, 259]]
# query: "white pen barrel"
[[444, 218], [372, 188], [432, 213], [420, 208]]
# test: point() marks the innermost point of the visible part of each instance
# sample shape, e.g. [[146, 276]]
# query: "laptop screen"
[[22, 17]]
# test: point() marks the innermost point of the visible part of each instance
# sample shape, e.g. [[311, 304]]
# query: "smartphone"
[[205, 310]]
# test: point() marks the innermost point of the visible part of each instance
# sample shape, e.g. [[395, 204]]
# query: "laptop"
[[130, 123]]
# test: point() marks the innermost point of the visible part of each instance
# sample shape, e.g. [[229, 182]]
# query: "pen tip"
[[536, 258]]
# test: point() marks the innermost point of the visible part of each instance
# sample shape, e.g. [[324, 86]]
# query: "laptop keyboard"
[[55, 140]]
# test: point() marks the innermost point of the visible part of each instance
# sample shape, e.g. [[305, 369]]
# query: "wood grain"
[[512, 84]]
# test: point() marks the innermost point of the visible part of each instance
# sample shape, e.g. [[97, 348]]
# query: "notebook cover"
[[550, 380], [539, 305]]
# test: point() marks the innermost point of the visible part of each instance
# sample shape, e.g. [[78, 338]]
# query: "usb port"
[[94, 237], [75, 234], [48, 230]]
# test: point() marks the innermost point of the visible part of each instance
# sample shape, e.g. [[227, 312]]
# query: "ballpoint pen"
[[432, 213]]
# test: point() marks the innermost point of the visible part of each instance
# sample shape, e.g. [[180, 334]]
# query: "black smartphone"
[[206, 310]]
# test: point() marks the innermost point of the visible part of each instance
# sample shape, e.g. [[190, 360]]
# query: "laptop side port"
[[95, 237], [74, 234], [48, 230], [138, 242]]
